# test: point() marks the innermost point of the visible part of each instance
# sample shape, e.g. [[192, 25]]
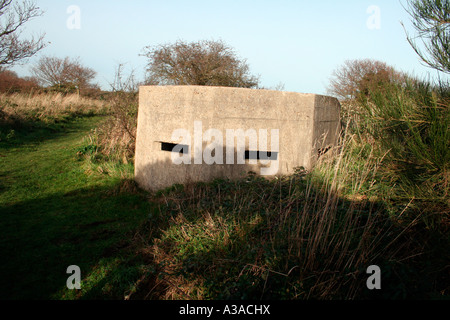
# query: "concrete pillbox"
[[291, 128]]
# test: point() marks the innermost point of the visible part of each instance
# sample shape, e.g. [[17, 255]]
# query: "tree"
[[206, 63], [356, 77], [431, 20], [11, 82], [63, 73], [12, 19]]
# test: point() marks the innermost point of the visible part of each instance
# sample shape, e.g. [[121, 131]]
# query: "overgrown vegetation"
[[410, 125], [380, 198], [116, 137], [22, 113]]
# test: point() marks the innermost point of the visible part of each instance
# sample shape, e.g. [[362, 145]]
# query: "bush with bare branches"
[[206, 63], [117, 136], [12, 19], [11, 82], [63, 73], [356, 77]]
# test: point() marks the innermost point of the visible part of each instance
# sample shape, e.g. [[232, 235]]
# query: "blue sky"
[[296, 43]]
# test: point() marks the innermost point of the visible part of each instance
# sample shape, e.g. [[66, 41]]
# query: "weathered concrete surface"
[[306, 123]]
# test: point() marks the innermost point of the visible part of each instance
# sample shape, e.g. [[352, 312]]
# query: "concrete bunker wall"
[[305, 123]]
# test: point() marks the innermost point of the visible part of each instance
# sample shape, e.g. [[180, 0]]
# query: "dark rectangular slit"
[[181, 148], [260, 155]]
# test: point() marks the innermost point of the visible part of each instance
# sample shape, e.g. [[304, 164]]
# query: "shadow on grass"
[[284, 239], [238, 239], [91, 228]]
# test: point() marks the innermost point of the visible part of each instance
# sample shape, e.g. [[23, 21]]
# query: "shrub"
[[10, 82], [205, 63], [410, 125], [298, 237], [356, 77], [117, 135]]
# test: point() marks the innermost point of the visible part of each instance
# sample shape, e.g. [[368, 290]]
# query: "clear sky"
[[294, 42]]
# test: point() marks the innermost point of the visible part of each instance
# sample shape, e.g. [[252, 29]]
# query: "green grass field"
[[54, 215]]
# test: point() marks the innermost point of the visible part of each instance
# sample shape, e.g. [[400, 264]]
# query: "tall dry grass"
[[45, 107], [117, 136], [307, 236], [313, 235]]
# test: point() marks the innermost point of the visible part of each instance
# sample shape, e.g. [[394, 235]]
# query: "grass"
[[300, 237], [45, 105], [67, 197], [55, 215], [383, 200]]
